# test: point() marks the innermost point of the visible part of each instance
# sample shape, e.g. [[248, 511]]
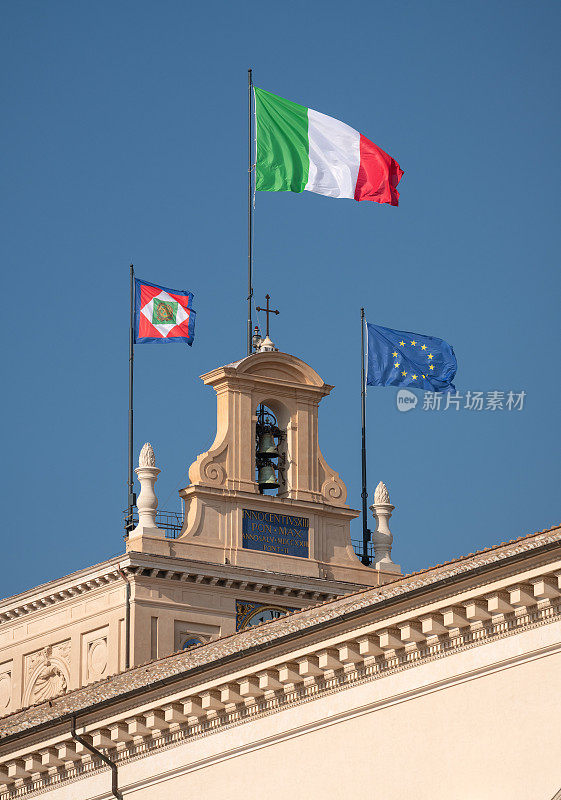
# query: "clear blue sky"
[[124, 131]]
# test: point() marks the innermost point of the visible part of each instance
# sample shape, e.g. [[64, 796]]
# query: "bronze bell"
[[267, 477], [267, 446]]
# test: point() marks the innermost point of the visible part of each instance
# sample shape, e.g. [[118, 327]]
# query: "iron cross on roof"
[[268, 311]]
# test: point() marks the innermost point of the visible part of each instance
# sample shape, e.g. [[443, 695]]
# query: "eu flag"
[[401, 358]]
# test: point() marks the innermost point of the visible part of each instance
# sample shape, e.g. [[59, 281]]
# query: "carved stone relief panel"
[[47, 673], [95, 655], [97, 659], [5, 687]]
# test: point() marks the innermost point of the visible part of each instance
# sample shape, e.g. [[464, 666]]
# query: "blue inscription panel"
[[275, 533]]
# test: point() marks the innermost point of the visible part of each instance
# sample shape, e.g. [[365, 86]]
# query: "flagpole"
[[131, 496], [365, 531], [250, 217]]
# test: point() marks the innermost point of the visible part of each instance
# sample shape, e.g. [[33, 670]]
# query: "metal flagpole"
[[250, 217], [130, 482], [365, 531]]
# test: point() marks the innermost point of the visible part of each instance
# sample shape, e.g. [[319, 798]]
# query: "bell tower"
[[267, 441]]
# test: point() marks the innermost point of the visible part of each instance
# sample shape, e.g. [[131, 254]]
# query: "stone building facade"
[[440, 684]]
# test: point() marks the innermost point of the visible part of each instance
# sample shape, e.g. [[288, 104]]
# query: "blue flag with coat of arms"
[[401, 358]]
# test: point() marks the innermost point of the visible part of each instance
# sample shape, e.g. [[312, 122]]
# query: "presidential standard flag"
[[301, 149], [401, 358], [162, 315]]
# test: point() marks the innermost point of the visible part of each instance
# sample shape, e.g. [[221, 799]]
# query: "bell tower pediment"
[[281, 366], [267, 440], [292, 390]]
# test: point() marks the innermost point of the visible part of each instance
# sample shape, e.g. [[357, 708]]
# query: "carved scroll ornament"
[[334, 490]]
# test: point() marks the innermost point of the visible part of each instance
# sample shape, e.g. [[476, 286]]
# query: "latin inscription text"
[[275, 533]]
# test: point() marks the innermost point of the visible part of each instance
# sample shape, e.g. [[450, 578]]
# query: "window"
[[191, 641]]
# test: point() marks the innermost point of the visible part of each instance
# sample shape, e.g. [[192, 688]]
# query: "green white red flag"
[[299, 149]]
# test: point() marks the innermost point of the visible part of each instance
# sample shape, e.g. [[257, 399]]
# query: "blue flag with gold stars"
[[401, 358]]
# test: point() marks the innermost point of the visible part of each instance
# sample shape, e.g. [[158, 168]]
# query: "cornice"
[[317, 508], [60, 589], [187, 565], [176, 568], [304, 378], [179, 569], [132, 728], [172, 568], [316, 621]]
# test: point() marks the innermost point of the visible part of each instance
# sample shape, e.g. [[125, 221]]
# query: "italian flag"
[[300, 149]]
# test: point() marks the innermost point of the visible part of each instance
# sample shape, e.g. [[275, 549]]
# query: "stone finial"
[[382, 538], [147, 457], [267, 346], [381, 495], [147, 502]]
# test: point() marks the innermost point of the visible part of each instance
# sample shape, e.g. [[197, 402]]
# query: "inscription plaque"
[[275, 533]]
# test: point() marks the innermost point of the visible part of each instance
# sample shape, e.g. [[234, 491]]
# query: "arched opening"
[[192, 641], [270, 452]]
